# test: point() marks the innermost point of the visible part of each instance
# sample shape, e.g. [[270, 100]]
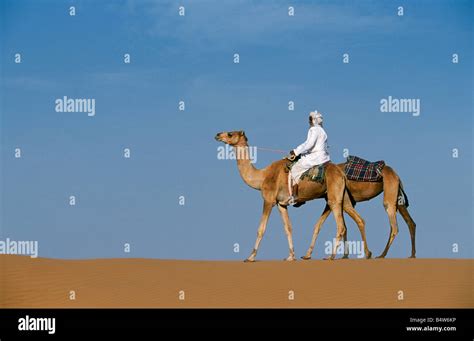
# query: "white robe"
[[314, 151]]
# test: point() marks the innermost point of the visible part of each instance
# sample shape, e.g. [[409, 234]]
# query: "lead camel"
[[272, 182]]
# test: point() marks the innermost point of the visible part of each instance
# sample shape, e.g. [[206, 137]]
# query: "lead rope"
[[272, 150]]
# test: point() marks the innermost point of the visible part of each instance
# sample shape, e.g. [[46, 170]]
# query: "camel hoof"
[[345, 257], [249, 260], [290, 259], [412, 256], [369, 255], [328, 258], [380, 257], [306, 257]]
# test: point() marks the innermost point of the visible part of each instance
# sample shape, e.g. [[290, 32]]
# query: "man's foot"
[[291, 200]]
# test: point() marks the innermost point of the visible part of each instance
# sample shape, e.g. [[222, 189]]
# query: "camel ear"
[[242, 133]]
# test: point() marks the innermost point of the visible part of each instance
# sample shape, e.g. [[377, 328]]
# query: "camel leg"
[[267, 209], [346, 247], [336, 187], [391, 186], [336, 208], [411, 225], [392, 216], [345, 204], [350, 210], [288, 230], [317, 228]]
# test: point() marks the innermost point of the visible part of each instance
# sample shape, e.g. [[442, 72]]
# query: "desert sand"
[[400, 283]]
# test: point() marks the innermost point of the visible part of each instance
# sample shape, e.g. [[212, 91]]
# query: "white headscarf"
[[316, 116]]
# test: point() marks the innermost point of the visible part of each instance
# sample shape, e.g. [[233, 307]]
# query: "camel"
[[272, 181], [394, 199]]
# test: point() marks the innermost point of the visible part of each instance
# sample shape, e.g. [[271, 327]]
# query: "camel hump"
[[358, 169]]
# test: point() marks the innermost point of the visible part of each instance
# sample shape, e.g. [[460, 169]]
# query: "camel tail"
[[404, 195]]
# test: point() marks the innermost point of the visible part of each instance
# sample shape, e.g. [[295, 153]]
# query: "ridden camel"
[[272, 182], [394, 199]]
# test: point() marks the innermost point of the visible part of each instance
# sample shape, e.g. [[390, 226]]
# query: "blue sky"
[[190, 58]]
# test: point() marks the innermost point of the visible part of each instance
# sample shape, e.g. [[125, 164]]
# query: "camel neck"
[[252, 176]]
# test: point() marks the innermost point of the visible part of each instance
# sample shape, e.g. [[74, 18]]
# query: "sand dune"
[[27, 282]]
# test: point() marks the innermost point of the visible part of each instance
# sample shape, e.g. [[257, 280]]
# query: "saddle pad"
[[315, 174], [358, 169]]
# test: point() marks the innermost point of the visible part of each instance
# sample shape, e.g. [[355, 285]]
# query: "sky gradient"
[[173, 152]]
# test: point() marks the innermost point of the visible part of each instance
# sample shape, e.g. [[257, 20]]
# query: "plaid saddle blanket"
[[358, 169], [315, 173]]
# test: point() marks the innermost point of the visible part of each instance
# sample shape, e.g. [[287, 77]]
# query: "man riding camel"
[[313, 151]]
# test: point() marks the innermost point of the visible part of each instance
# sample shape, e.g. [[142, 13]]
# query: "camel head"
[[233, 138]]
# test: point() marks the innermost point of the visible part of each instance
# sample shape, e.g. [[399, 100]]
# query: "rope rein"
[[272, 150]]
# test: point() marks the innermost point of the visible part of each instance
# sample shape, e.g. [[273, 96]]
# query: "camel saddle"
[[315, 173], [358, 169]]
